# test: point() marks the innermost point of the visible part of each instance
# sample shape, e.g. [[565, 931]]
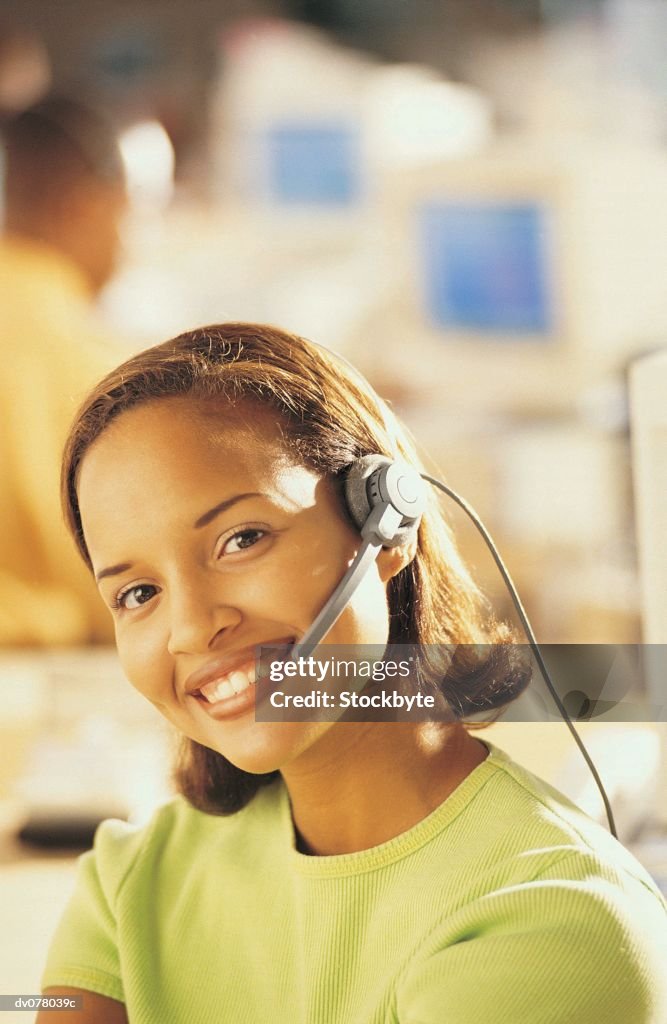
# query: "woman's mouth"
[[232, 693], [234, 682]]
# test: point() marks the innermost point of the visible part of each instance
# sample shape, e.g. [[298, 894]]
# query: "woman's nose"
[[198, 614]]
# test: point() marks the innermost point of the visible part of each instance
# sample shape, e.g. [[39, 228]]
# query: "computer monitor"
[[648, 407], [525, 274]]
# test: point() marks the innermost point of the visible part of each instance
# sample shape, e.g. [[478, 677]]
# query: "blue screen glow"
[[316, 163], [485, 267]]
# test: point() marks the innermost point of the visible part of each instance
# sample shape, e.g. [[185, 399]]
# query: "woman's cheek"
[[145, 662]]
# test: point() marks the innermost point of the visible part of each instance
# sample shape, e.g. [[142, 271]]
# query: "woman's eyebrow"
[[114, 570], [223, 506]]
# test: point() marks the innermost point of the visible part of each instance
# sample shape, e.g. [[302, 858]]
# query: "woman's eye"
[[134, 597], [241, 540]]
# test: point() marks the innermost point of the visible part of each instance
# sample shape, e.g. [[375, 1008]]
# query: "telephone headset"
[[386, 499]]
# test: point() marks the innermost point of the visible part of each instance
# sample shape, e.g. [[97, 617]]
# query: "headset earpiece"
[[386, 499]]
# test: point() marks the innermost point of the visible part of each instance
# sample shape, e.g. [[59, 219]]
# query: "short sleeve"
[[84, 951], [551, 951]]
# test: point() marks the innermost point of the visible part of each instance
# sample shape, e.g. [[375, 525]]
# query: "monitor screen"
[[316, 163], [485, 268]]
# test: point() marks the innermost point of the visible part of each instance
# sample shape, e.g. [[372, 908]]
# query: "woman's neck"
[[375, 781]]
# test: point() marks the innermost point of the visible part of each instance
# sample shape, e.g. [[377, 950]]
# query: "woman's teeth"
[[235, 682]]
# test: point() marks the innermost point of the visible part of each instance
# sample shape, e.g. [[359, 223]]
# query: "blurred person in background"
[[25, 69], [64, 198]]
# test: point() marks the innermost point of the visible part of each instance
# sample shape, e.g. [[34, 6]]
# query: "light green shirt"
[[506, 905]]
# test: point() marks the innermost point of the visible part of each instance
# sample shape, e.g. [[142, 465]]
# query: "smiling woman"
[[196, 583], [316, 872]]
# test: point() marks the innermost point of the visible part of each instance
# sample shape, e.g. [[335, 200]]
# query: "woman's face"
[[208, 539]]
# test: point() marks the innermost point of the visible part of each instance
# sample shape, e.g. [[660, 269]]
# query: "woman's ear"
[[390, 561]]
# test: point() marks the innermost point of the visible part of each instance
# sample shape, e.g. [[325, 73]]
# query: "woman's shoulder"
[[549, 917], [542, 832], [177, 837]]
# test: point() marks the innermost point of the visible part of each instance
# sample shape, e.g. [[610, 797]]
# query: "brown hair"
[[55, 146], [330, 416]]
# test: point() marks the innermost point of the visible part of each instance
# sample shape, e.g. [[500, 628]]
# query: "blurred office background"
[[468, 200]]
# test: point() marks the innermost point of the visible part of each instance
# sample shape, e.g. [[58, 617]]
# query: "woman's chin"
[[272, 747]]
